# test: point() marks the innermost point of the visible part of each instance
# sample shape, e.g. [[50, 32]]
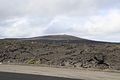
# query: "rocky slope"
[[61, 50]]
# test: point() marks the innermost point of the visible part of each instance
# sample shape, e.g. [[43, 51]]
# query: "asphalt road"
[[16, 76]]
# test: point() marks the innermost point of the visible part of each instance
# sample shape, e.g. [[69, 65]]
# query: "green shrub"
[[31, 61]]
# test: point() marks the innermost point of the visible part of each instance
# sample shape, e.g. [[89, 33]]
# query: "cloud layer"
[[92, 19]]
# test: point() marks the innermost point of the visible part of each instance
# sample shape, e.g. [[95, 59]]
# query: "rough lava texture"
[[61, 50]]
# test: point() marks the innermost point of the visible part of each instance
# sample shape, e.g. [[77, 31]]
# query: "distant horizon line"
[[59, 35]]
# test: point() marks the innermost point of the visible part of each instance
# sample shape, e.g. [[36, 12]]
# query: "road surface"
[[16, 76], [44, 73]]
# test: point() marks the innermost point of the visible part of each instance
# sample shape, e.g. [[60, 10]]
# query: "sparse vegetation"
[[31, 61], [70, 53]]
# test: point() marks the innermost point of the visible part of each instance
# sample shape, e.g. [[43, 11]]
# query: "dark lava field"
[[61, 50]]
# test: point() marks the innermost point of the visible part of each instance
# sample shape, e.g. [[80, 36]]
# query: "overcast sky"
[[91, 19]]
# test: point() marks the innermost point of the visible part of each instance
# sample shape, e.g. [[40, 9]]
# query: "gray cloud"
[[84, 18], [53, 7]]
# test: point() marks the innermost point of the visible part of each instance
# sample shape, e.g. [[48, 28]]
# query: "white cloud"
[[107, 25], [21, 27]]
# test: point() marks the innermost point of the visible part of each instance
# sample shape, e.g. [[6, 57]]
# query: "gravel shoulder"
[[59, 72]]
